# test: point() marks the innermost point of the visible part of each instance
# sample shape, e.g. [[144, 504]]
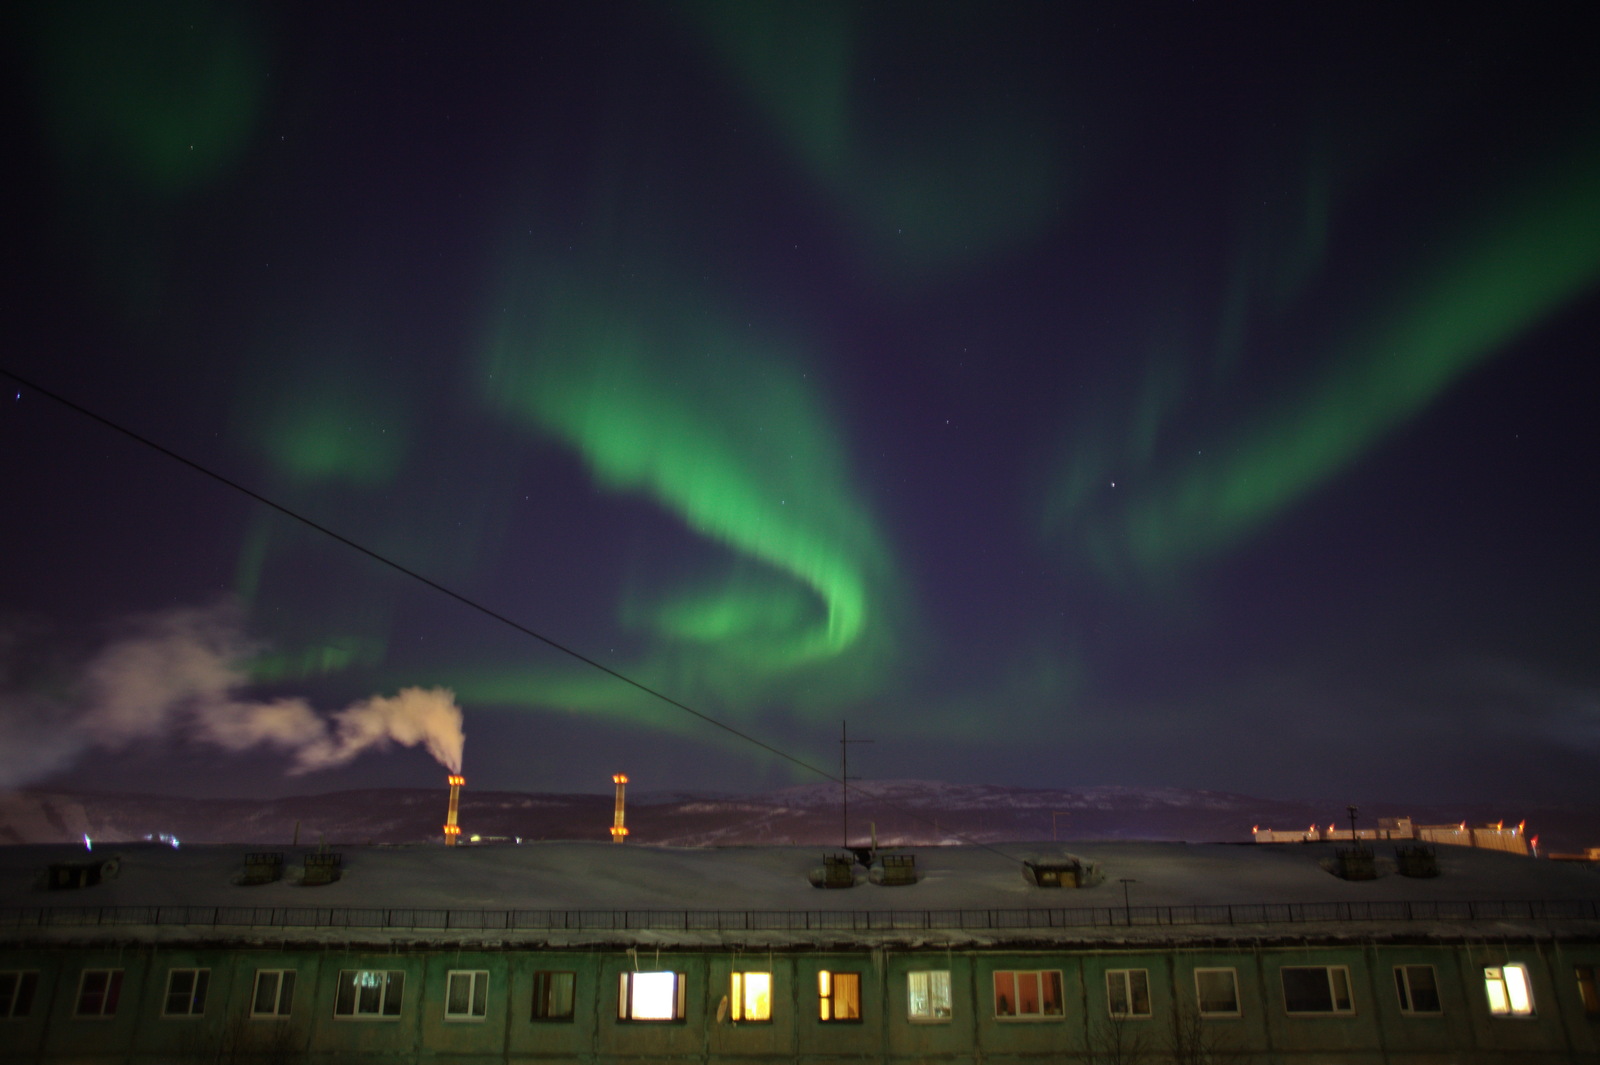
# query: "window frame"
[[626, 995], [391, 991], [1407, 994], [830, 992], [282, 1001], [477, 995], [194, 998], [1128, 996], [1045, 981], [1494, 977], [16, 997], [1199, 999], [1588, 977], [931, 993], [1332, 975], [110, 994], [545, 982], [738, 991]]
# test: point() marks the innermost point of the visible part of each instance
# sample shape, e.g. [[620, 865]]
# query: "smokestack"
[[451, 829], [618, 831]]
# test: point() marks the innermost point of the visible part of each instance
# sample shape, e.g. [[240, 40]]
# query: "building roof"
[[580, 893]]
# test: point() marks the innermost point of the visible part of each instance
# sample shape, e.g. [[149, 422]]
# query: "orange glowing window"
[[838, 996]]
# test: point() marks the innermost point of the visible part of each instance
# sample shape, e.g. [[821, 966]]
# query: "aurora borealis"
[[1161, 394]]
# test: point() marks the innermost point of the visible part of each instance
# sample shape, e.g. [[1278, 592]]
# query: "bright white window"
[[552, 995], [750, 998], [651, 997], [1316, 989], [1510, 993], [98, 991], [1217, 991], [466, 995], [1128, 992], [928, 995], [369, 993], [838, 996], [1418, 989], [16, 993], [186, 992], [1027, 994], [274, 993]]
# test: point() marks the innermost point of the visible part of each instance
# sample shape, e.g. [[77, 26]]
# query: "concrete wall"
[[1377, 1030]]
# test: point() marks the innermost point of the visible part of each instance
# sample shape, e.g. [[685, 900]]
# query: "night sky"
[[1198, 395]]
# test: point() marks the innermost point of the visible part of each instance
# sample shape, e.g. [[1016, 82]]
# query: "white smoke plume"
[[181, 673]]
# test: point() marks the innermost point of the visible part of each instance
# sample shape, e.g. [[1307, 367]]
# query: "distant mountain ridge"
[[899, 812]]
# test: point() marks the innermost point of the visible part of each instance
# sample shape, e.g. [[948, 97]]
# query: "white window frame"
[[18, 989], [1126, 979], [1504, 985], [1044, 978], [477, 981], [1408, 995], [194, 1004], [830, 994], [547, 981], [391, 987], [1333, 977], [750, 997], [110, 995], [632, 986], [1200, 1001], [928, 998], [282, 993]]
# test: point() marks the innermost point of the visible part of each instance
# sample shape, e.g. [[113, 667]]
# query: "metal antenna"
[[844, 775]]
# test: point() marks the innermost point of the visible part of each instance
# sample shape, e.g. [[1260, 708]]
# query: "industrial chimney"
[[619, 832], [451, 829]]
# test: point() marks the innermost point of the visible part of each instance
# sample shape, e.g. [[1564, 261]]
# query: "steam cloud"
[[181, 673]]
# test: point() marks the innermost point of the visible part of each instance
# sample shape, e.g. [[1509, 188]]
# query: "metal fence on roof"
[[791, 920]]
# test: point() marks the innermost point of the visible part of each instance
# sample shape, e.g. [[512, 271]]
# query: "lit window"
[[928, 995], [839, 996], [16, 993], [1316, 989], [186, 992], [98, 991], [1510, 994], [552, 995], [1217, 991], [1418, 989], [466, 995], [1587, 976], [651, 997], [751, 997], [1128, 992], [274, 993], [372, 993], [1027, 994]]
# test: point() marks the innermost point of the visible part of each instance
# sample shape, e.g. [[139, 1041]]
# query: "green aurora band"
[[1540, 252], [739, 447]]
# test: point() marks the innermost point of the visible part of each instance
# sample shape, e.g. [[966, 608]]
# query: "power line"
[[463, 599]]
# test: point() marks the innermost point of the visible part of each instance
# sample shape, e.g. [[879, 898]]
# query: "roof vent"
[[836, 871], [894, 870], [67, 876], [262, 868], [1418, 861], [322, 868], [1061, 871], [1356, 863]]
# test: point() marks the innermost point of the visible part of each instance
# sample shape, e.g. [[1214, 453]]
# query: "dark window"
[[466, 995], [186, 992], [552, 996], [1217, 991], [1587, 976], [98, 991], [1316, 989], [1418, 989], [274, 993], [16, 993], [1128, 992]]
